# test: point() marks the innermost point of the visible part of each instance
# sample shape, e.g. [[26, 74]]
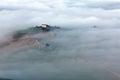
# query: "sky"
[[18, 14]]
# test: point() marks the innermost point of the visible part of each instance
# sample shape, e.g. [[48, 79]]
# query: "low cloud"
[[17, 14]]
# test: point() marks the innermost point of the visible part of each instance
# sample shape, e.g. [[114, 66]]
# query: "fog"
[[16, 14], [77, 53], [85, 48]]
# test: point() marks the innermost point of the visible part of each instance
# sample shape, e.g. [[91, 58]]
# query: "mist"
[[16, 14], [85, 48]]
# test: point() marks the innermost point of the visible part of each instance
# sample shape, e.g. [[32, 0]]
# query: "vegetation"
[[21, 33]]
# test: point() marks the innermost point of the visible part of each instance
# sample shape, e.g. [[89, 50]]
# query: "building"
[[44, 25]]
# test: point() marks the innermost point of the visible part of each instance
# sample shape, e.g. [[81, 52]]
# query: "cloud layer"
[[17, 14]]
